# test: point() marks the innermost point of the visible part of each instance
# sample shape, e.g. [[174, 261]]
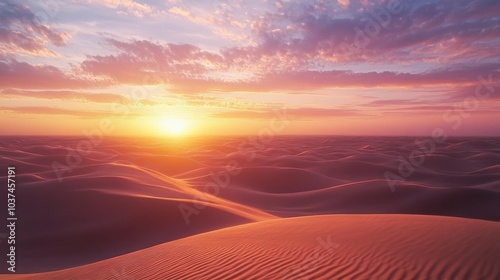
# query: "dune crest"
[[316, 247]]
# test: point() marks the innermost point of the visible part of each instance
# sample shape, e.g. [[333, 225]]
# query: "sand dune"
[[316, 247], [125, 195]]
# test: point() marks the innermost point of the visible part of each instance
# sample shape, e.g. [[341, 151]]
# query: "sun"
[[175, 126]]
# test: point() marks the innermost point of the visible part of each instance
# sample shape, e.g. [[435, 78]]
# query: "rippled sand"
[[125, 195]]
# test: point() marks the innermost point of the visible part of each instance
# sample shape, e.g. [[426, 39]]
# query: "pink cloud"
[[292, 113], [22, 33], [314, 80], [144, 62], [14, 74], [344, 3]]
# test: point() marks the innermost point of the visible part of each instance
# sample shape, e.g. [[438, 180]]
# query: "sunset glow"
[[257, 139], [175, 127], [335, 67]]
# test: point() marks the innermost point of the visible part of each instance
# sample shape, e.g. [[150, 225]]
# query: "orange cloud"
[[66, 112], [67, 95], [130, 7]]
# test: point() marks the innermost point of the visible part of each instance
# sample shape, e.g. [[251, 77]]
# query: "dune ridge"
[[316, 247]]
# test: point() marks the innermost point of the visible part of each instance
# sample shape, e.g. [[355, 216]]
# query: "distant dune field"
[[293, 208]]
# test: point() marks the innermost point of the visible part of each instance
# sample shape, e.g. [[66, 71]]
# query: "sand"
[[316, 247], [121, 204]]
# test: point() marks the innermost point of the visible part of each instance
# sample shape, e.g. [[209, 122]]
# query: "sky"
[[159, 68]]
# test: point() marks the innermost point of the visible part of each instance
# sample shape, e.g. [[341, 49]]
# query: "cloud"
[[67, 95], [128, 7], [56, 111], [315, 80], [189, 69], [393, 102], [417, 32], [344, 3], [144, 62], [182, 12], [21, 32], [38, 110], [484, 89], [295, 113], [22, 75], [307, 80], [225, 19], [308, 45]]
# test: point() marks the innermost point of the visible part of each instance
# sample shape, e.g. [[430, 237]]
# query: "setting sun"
[[175, 126]]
